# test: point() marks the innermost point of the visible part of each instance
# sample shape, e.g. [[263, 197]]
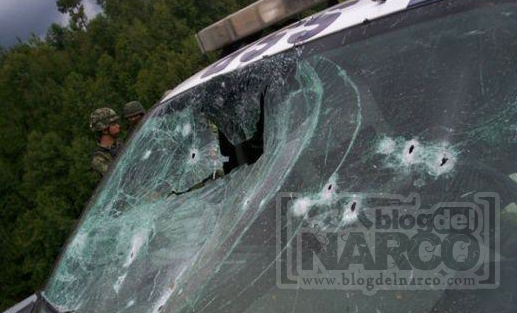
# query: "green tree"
[[75, 9], [134, 50]]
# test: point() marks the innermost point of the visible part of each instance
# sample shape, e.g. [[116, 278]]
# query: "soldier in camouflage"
[[104, 122], [133, 113]]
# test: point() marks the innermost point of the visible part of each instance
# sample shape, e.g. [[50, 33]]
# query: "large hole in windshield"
[[247, 152]]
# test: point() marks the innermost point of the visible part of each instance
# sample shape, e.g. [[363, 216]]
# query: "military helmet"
[[133, 108], [101, 119]]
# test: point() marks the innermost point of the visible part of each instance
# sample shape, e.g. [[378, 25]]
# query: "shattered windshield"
[[421, 105]]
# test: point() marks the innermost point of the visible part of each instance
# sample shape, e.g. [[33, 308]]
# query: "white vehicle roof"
[[337, 18]]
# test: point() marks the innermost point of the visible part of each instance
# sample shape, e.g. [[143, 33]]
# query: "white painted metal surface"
[[23, 305], [332, 20]]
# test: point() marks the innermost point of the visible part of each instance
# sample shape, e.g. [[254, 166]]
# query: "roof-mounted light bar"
[[249, 20]]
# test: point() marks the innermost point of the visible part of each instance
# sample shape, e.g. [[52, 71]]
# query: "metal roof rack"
[[248, 21]]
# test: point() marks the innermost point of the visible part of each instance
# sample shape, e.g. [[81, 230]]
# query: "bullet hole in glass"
[[444, 160], [352, 208], [193, 155], [330, 187], [411, 149]]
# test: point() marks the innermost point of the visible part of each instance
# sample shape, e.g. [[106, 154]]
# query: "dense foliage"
[[135, 50]]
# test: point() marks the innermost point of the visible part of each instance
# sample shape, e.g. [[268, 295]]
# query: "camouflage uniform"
[[103, 156]]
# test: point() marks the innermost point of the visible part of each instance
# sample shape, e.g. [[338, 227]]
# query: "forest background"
[[133, 50]]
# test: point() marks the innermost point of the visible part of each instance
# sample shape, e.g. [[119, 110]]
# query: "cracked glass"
[[424, 101]]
